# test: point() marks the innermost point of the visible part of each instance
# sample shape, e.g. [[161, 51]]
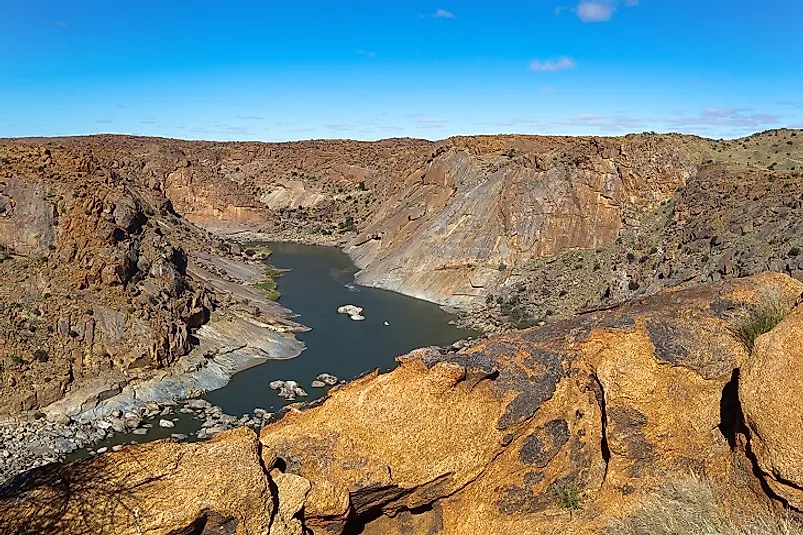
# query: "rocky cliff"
[[515, 228], [574, 427], [101, 282]]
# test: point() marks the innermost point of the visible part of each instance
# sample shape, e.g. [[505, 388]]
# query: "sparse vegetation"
[[761, 318], [347, 225], [269, 284], [692, 507], [567, 497], [40, 355], [258, 251]]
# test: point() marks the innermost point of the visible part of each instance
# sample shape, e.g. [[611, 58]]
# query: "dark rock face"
[[540, 447]]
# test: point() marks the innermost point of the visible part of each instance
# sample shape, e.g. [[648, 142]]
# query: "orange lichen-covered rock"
[[157, 488], [771, 392]]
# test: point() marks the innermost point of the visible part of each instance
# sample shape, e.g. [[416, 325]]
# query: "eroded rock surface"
[[105, 290]]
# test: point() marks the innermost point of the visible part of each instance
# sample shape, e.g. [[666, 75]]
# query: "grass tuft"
[[763, 317], [567, 496], [691, 507]]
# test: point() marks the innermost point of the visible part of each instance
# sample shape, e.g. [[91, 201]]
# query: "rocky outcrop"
[[477, 204], [558, 429], [102, 283], [770, 392], [509, 434], [159, 488]]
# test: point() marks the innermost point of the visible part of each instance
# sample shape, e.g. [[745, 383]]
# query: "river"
[[318, 280]]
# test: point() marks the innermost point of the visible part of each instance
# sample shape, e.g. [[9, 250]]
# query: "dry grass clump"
[[763, 317], [692, 507]]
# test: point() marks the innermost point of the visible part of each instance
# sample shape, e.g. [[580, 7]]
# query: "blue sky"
[[282, 70]]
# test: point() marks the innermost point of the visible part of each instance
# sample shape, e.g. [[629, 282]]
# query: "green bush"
[[41, 355], [567, 496], [269, 287], [272, 272]]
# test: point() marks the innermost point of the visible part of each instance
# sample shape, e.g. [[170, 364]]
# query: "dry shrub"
[[691, 507]]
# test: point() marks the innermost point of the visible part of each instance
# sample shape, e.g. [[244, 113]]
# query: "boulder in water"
[[327, 378], [288, 390], [351, 310], [318, 384], [357, 317]]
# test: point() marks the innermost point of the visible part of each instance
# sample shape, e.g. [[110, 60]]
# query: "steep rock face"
[[557, 429], [478, 204], [95, 289], [488, 222]]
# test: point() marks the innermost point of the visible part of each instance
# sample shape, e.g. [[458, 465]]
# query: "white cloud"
[[595, 11], [61, 24], [730, 117], [367, 53], [600, 10], [549, 65], [443, 14], [548, 90]]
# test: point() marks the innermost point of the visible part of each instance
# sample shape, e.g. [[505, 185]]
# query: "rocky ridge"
[[490, 224]]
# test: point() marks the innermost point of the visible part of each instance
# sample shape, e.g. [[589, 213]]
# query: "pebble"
[[198, 404], [31, 443]]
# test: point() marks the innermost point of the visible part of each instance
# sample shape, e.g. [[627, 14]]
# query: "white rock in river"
[[386, 324], [317, 384], [288, 390], [357, 317], [351, 310], [276, 385], [327, 378], [166, 423]]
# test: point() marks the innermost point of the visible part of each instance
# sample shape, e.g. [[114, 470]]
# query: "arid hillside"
[[102, 283]]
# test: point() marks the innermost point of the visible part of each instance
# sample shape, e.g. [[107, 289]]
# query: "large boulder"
[[771, 392], [157, 488]]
